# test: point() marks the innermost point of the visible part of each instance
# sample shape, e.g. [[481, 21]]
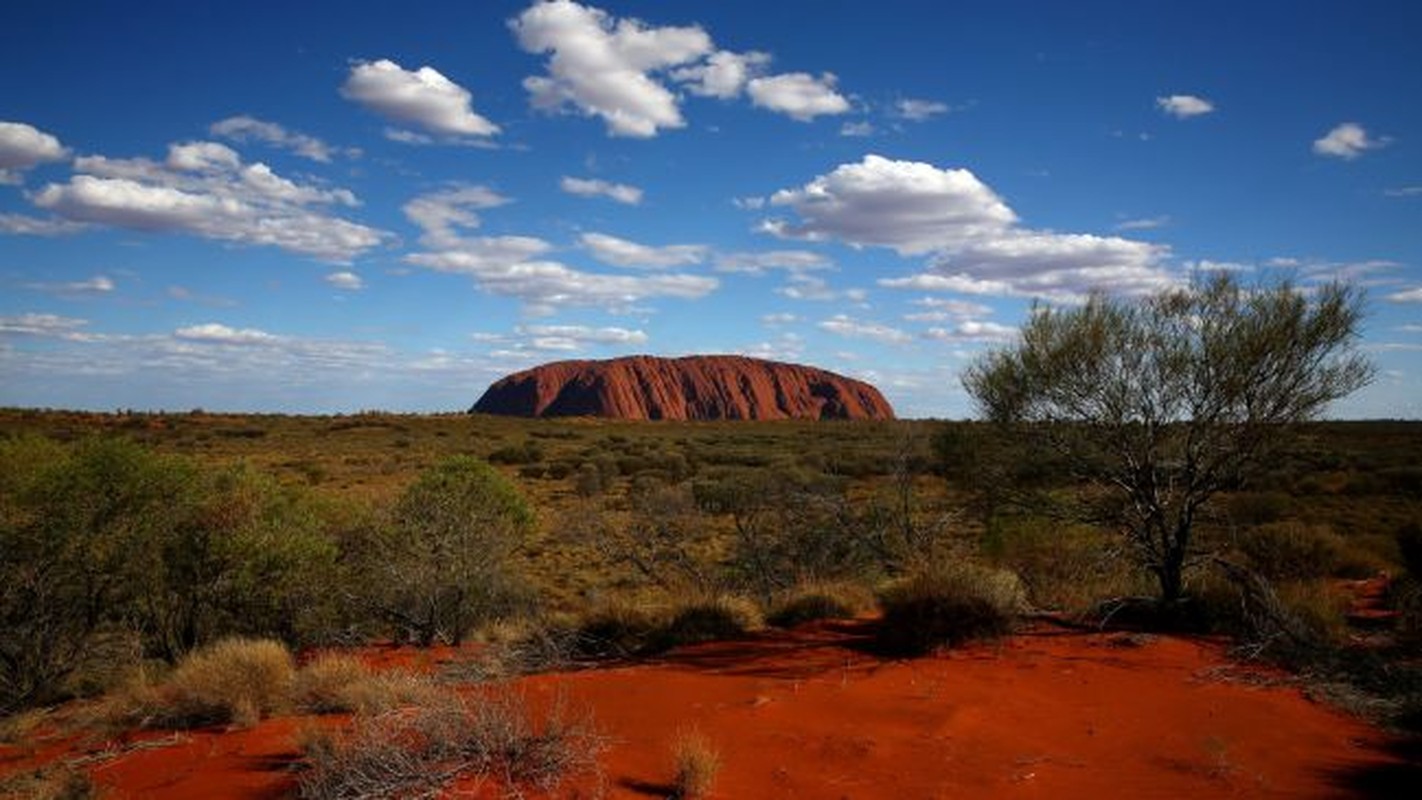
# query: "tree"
[[443, 565], [1159, 405]]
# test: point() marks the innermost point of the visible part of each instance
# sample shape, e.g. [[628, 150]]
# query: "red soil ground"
[[810, 714]]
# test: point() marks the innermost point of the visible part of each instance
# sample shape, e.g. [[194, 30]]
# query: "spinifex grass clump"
[[948, 606]]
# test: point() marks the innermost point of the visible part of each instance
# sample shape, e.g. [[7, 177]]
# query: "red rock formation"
[[695, 387]]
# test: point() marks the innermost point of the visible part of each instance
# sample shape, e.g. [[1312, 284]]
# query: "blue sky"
[[329, 207]]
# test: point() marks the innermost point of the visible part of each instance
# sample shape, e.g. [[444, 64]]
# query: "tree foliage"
[[443, 564], [1158, 405]]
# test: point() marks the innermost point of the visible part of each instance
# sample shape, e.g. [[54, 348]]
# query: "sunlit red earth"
[[811, 714]]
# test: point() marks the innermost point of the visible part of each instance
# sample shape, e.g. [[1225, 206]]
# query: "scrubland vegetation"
[[175, 561]]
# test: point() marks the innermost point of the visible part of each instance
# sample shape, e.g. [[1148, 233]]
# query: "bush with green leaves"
[[443, 563]]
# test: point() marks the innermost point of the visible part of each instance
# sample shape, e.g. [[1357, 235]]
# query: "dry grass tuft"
[[420, 749], [948, 606], [335, 683], [236, 681], [815, 601], [697, 763]]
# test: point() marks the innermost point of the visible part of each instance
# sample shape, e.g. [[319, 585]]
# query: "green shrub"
[[947, 607], [1284, 551]]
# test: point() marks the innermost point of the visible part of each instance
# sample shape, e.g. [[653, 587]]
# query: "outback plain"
[[711, 609]]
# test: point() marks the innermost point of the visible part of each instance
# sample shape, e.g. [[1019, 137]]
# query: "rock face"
[[695, 387]]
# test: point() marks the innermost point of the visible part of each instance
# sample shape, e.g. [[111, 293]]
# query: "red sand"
[[808, 715]]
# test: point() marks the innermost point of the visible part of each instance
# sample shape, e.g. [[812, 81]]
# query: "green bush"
[[947, 607]]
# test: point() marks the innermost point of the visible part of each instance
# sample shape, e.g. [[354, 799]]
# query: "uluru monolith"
[[691, 387]]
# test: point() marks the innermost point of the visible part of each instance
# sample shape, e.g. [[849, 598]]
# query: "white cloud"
[[244, 128], [973, 331], [1184, 106], [919, 110], [1347, 141], [594, 187], [24, 225], [1407, 296], [604, 67], [345, 280], [203, 189], [577, 337], [723, 75], [99, 284], [631, 255], [912, 207], [781, 318], [217, 333], [442, 214], [510, 266], [850, 328], [799, 286], [44, 325], [759, 263], [1404, 191], [798, 95], [974, 237], [938, 309], [861, 128], [1144, 223], [423, 97], [24, 146]]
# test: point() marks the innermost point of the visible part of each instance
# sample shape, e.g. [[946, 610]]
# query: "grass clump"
[[233, 681], [334, 683], [696, 763], [419, 750], [948, 606], [709, 619], [816, 601]]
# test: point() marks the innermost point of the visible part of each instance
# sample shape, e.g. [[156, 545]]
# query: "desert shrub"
[[1257, 508], [817, 601], [231, 681], [417, 751], [614, 630], [706, 619], [1062, 566], [343, 683], [1292, 550], [63, 782], [73, 521], [948, 606], [696, 763], [443, 564]]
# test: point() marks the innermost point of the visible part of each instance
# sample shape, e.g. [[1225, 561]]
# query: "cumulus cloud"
[[511, 266], [99, 284], [244, 129], [851, 328], [974, 239], [578, 337], [24, 146], [217, 333], [605, 67], [723, 75], [758, 263], [42, 325], [632, 255], [204, 189], [912, 207], [25, 225], [442, 215], [1184, 106], [424, 98], [1347, 141], [345, 280], [973, 331], [798, 95], [919, 110], [594, 187]]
